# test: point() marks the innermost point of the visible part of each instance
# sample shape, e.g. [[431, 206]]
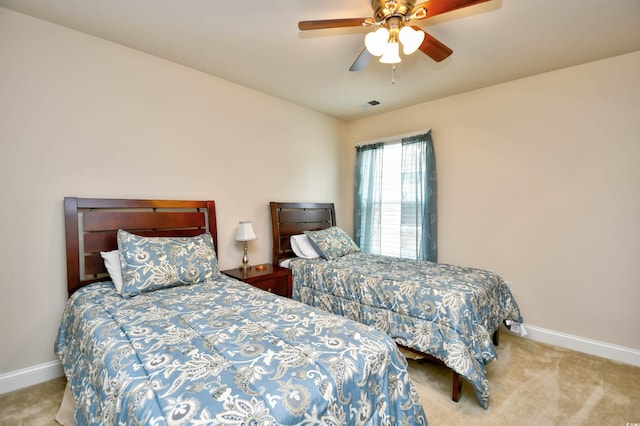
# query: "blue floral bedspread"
[[446, 311], [225, 353]]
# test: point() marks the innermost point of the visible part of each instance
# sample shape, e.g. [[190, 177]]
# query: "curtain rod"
[[393, 139]]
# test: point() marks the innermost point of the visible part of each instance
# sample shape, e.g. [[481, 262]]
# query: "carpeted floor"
[[33, 406], [531, 384], [536, 384]]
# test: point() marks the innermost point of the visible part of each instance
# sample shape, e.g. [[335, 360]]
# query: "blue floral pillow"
[[152, 263], [332, 243]]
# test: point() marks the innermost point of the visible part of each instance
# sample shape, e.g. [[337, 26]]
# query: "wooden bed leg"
[[456, 390], [496, 337]]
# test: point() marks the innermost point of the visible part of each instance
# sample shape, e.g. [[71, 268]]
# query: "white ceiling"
[[257, 44]]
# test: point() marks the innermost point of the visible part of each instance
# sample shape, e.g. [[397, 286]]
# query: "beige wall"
[[538, 180], [537, 177], [83, 117]]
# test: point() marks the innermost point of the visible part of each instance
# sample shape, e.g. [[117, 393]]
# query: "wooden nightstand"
[[267, 277]]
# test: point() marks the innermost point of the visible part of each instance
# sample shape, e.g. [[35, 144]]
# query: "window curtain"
[[418, 217], [418, 211], [367, 197]]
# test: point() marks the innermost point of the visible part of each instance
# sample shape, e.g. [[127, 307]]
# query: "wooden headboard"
[[91, 226], [289, 219]]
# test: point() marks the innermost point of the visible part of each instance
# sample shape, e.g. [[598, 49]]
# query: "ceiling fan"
[[393, 19]]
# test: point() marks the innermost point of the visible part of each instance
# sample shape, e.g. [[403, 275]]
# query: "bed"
[[179, 343], [444, 313]]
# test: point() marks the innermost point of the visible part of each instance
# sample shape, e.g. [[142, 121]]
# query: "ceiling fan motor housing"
[[384, 9]]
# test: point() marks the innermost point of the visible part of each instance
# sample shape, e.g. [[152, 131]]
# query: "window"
[[390, 200], [395, 198]]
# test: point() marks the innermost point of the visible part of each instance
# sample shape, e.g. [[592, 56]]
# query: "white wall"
[[83, 117], [538, 180]]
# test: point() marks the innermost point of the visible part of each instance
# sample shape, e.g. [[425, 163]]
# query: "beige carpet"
[[531, 384], [536, 384], [33, 406]]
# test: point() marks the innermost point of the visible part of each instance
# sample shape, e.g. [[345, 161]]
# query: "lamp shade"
[[410, 39], [375, 41], [391, 54], [245, 232]]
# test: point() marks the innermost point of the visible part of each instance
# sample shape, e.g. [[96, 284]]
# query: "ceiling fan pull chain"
[[393, 74]]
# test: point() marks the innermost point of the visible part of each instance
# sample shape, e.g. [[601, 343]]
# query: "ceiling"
[[257, 44]]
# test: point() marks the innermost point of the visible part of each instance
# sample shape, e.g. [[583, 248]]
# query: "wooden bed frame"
[[289, 219], [92, 225]]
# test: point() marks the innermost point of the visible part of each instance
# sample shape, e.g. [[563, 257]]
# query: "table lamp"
[[245, 233]]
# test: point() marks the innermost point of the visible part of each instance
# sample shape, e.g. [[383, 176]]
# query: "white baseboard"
[[581, 344], [51, 370], [30, 376]]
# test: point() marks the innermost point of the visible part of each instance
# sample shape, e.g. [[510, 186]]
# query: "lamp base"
[[245, 258]]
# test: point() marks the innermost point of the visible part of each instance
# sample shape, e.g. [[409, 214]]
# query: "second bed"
[[447, 313]]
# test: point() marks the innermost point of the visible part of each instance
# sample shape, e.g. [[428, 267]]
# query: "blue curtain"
[[367, 197], [418, 212], [419, 220]]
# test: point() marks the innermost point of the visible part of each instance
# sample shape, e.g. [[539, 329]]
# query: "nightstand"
[[267, 277]]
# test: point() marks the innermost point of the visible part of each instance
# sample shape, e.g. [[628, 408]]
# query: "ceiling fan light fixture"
[[393, 16], [376, 41], [391, 54], [410, 39]]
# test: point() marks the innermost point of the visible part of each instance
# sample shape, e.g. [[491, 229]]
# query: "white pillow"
[[112, 263], [301, 246]]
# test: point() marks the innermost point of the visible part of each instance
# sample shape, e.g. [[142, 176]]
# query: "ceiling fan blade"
[[332, 23], [432, 47], [438, 7], [361, 61]]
